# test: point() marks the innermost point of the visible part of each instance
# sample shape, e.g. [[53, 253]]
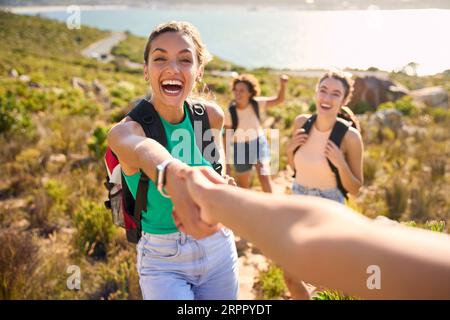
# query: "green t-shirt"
[[181, 145]]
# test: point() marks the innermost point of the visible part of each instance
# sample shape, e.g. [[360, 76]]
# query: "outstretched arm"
[[328, 244], [135, 151]]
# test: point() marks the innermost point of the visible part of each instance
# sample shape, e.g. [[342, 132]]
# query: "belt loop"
[[182, 238]]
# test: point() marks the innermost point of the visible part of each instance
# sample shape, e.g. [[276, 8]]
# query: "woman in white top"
[[248, 141]]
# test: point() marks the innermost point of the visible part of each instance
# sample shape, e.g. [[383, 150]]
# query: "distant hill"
[[300, 4]]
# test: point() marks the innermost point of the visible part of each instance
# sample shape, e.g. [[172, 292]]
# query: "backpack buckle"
[[198, 110]]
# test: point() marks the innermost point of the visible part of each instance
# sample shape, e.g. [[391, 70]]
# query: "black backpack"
[[233, 112], [345, 120], [125, 210]]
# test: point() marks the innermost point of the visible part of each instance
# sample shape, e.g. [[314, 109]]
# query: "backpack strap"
[[307, 126], [144, 114], [255, 107], [337, 135], [233, 114], [199, 115]]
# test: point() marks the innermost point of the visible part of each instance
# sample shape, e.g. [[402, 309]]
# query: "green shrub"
[[433, 225], [29, 160], [221, 88], [420, 203], [97, 143], [12, 116], [436, 226], [405, 105], [440, 115], [438, 164], [58, 192], [370, 169], [18, 261], [396, 198], [362, 107], [332, 295], [114, 281], [94, 229], [272, 282]]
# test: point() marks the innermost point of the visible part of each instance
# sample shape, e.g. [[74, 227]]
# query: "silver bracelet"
[[161, 176]]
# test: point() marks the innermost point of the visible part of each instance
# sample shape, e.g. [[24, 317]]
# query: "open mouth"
[[172, 87], [325, 106]]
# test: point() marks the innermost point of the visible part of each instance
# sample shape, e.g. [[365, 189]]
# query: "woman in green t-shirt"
[[172, 265]]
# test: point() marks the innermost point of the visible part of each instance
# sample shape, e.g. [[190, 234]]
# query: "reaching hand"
[[184, 204], [192, 218]]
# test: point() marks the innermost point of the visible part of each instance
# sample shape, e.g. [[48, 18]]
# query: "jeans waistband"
[[303, 188], [175, 236]]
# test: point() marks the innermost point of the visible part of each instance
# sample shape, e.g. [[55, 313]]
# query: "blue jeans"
[[332, 194], [247, 154], [175, 266]]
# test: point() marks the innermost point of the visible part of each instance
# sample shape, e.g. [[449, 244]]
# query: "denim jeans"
[[247, 154], [332, 194], [177, 267]]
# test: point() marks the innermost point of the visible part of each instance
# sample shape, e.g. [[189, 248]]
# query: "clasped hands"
[[194, 191]]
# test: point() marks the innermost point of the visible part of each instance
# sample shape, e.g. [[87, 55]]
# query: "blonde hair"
[[251, 82], [203, 55], [344, 77]]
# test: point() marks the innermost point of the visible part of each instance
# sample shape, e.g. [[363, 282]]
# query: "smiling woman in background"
[[326, 151]]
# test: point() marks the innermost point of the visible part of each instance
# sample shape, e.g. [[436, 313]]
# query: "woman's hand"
[[298, 139], [284, 79], [334, 154], [184, 204]]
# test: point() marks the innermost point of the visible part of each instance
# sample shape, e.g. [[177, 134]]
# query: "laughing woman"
[[313, 154], [172, 265]]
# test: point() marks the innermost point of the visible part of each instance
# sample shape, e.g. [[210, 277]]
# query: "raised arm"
[[268, 102]]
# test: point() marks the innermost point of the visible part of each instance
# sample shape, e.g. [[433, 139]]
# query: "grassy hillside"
[[55, 109]]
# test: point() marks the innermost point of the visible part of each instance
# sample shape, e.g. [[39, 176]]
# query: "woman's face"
[[172, 68], [241, 93], [330, 97]]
